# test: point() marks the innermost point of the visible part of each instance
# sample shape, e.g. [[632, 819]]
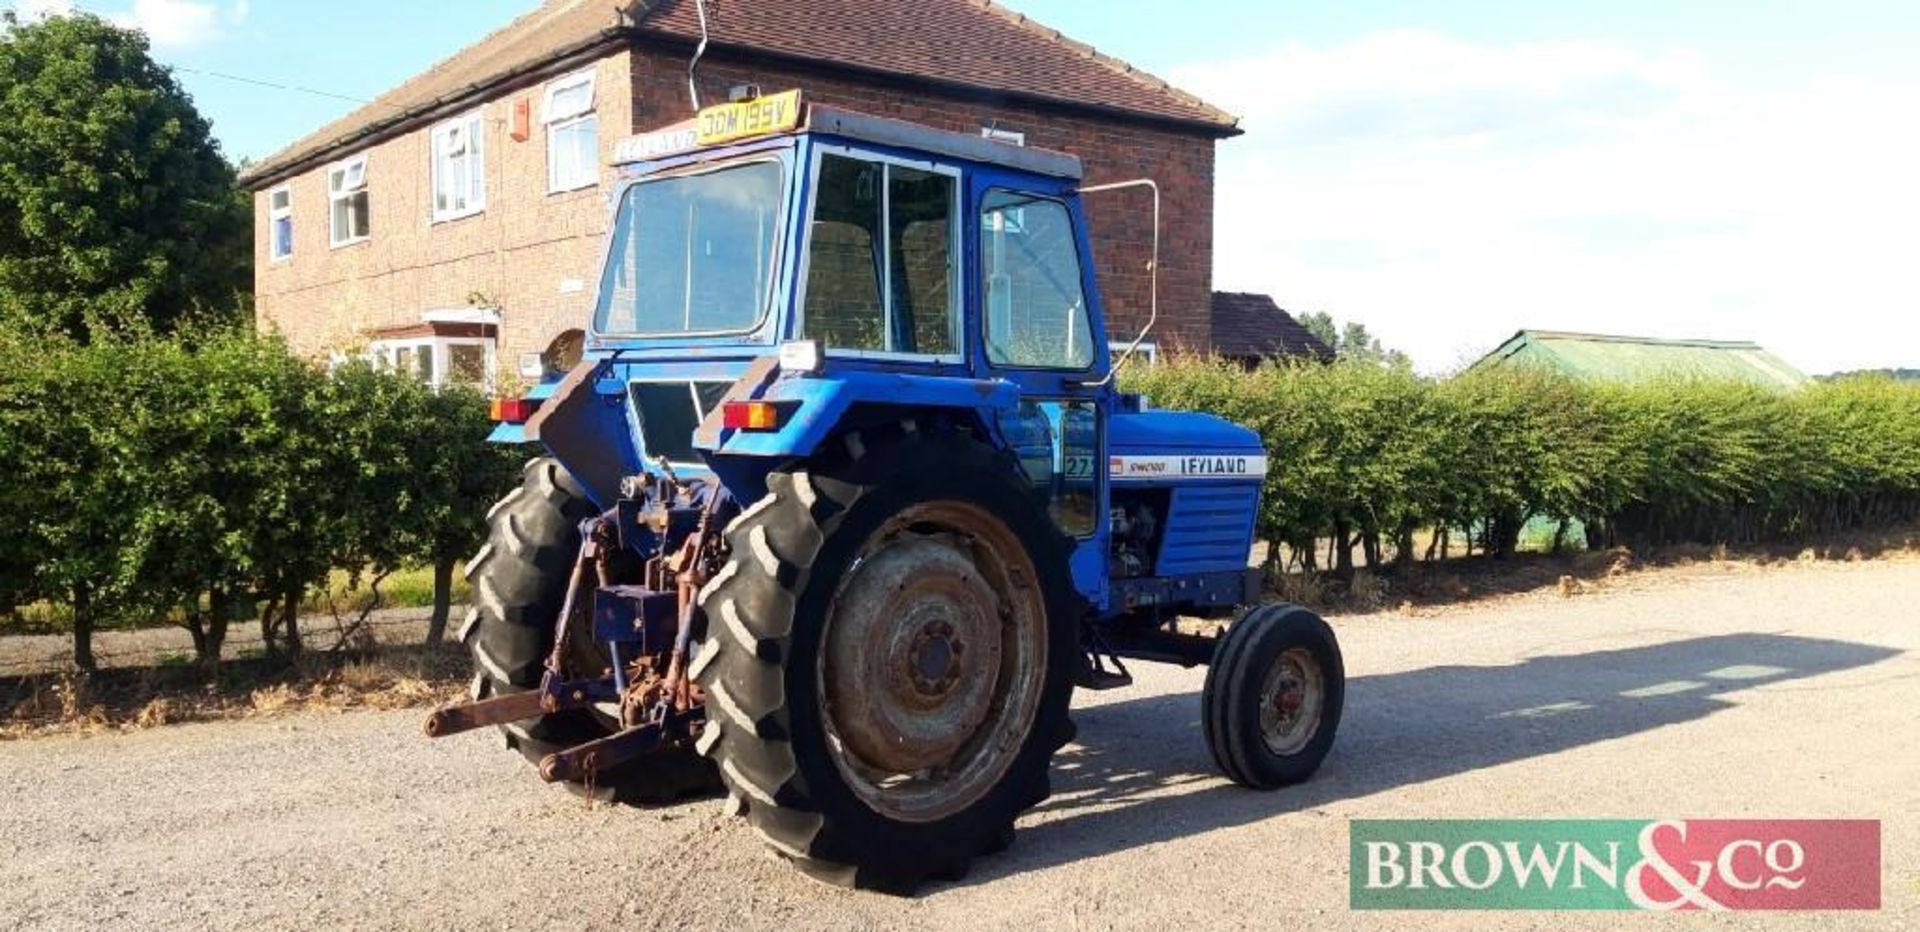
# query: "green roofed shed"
[[1636, 359]]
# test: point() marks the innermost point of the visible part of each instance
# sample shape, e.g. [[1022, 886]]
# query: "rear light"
[[514, 410], [760, 416]]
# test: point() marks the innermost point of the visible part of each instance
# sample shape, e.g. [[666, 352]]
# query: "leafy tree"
[[63, 493], [458, 478], [117, 211], [1353, 342]]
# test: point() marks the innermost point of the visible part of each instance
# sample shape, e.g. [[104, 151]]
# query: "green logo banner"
[[1527, 865]]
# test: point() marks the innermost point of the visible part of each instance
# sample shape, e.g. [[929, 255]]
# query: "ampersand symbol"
[[1650, 859]]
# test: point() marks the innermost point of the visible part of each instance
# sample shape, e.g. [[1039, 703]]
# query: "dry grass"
[[135, 700]]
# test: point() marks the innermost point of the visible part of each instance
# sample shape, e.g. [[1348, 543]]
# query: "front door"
[[1039, 329]]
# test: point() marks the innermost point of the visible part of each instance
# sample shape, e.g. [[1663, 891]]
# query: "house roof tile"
[[1252, 326], [964, 44]]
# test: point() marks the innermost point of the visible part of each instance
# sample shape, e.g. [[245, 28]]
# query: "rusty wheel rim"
[[932, 662], [1292, 696]]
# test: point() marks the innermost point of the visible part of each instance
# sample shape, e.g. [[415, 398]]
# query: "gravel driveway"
[[1537, 706]]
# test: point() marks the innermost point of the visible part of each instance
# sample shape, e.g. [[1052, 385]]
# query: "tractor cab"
[[852, 268], [841, 502]]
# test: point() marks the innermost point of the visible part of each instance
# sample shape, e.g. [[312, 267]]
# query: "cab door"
[[1039, 327]]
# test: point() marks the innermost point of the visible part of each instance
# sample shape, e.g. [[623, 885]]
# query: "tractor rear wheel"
[[1273, 697], [519, 584], [889, 658]]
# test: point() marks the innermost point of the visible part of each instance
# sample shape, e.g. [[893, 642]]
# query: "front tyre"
[[1273, 697], [889, 658]]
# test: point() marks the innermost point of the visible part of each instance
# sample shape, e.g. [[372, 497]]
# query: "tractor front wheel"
[[889, 658], [1273, 697]]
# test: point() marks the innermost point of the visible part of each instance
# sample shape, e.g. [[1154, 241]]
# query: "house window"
[[1007, 136], [280, 220], [883, 271], [1036, 301], [573, 134], [459, 168], [352, 209], [439, 361]]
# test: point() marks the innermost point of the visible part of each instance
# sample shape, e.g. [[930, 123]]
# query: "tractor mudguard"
[[584, 425]]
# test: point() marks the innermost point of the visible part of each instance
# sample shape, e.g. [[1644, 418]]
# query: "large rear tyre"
[[519, 584], [889, 658], [1273, 697]]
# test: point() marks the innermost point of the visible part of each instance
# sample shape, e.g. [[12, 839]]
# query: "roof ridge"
[[1116, 65], [546, 8], [1624, 338]]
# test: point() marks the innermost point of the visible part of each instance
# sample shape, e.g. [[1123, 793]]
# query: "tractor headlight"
[[801, 356]]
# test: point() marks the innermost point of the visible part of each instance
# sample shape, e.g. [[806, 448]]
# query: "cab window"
[[693, 253], [882, 272], [1036, 304]]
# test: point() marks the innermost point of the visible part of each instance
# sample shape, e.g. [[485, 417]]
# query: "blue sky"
[[1445, 172]]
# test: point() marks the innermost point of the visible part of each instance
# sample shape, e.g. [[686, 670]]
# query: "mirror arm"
[[1153, 275]]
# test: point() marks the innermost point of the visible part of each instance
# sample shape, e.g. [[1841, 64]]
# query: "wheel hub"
[[1292, 695], [933, 660], [936, 659], [905, 695]]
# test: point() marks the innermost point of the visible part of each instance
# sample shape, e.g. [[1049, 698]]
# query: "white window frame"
[[474, 125], [559, 121], [275, 214], [346, 167], [961, 285], [1008, 136], [1148, 352], [385, 354]]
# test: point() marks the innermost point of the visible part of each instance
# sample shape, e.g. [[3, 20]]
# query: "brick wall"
[[531, 254], [534, 255]]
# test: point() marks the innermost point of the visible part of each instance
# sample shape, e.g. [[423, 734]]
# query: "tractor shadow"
[[1141, 773]]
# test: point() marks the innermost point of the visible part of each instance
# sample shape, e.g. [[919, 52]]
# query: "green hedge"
[[217, 478], [1374, 456]]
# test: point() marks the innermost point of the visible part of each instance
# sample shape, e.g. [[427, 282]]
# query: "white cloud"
[[38, 9], [170, 24], [174, 23], [1448, 194]]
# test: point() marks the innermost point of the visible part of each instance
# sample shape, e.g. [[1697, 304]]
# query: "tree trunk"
[[292, 624], [196, 625], [270, 626], [1343, 556], [213, 638], [443, 601], [83, 628]]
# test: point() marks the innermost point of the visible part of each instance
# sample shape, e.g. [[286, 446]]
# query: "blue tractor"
[[841, 503]]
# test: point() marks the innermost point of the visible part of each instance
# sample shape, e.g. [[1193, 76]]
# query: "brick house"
[[455, 222]]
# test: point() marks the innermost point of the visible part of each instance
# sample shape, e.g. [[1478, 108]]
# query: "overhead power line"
[[271, 84]]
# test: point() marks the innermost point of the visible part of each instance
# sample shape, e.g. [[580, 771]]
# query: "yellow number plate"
[[729, 122]]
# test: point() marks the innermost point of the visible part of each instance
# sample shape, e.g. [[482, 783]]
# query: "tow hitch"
[[645, 625]]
